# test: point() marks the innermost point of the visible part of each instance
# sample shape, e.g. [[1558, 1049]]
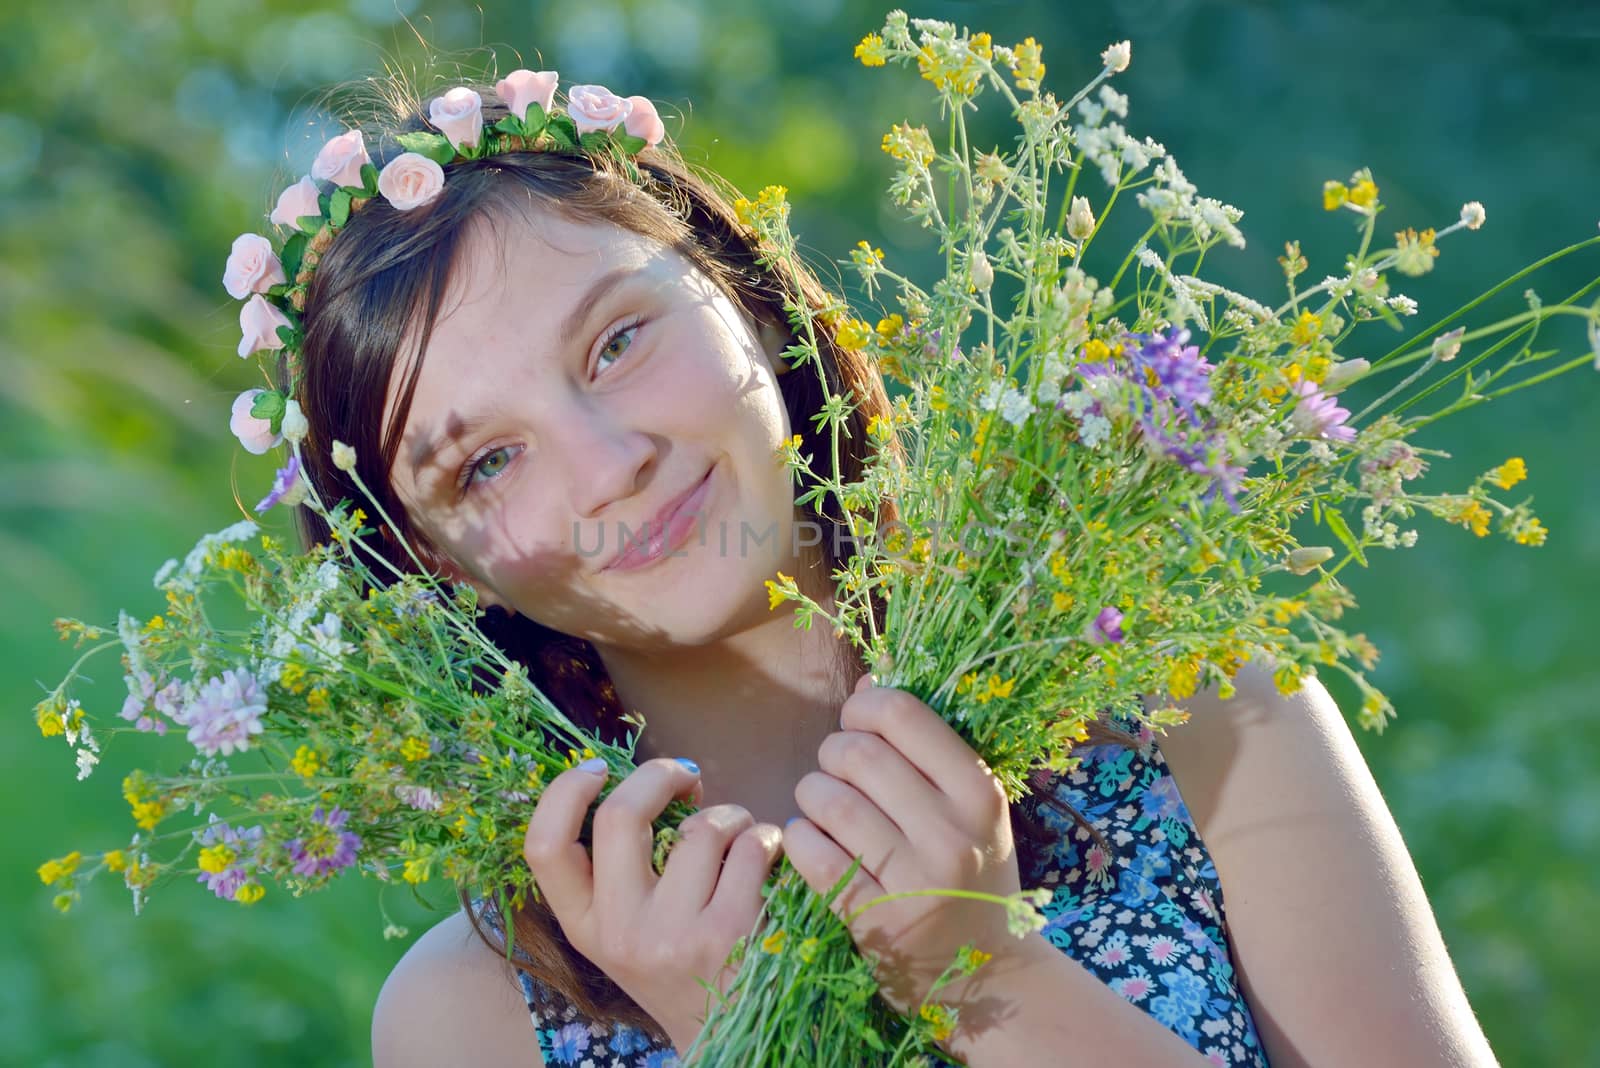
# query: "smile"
[[665, 533]]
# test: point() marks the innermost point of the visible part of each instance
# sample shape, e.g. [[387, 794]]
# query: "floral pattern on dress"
[[1145, 916]]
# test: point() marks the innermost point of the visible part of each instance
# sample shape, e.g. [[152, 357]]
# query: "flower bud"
[[1344, 373], [344, 457], [1305, 560], [1117, 56], [294, 425], [982, 272], [1472, 215], [1080, 223]]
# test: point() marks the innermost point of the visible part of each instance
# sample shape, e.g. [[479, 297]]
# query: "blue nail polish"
[[594, 766], [691, 765], [788, 821]]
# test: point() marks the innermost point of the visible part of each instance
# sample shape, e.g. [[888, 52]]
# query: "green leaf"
[[629, 143], [511, 125], [594, 140], [294, 251], [339, 208], [309, 224], [1341, 531], [369, 179], [289, 336], [268, 405], [536, 120], [563, 131], [436, 147]]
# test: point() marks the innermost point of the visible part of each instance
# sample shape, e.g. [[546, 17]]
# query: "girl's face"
[[581, 379]]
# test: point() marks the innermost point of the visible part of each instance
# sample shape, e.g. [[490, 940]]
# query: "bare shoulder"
[[452, 1000], [1326, 913]]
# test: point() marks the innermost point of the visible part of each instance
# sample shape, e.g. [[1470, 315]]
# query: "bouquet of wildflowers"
[[1097, 478]]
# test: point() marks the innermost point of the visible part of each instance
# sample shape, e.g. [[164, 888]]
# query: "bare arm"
[[1338, 951], [451, 1000]]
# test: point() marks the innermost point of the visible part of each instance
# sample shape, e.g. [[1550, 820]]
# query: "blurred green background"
[[137, 139]]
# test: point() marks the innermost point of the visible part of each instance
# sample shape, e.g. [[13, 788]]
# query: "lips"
[[667, 529]]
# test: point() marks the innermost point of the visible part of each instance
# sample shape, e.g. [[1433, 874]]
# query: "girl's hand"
[[655, 936], [900, 789]]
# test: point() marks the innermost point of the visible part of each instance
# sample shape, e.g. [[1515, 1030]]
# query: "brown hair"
[[378, 289]]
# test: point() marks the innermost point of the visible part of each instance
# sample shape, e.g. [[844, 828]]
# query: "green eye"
[[491, 465], [618, 344]]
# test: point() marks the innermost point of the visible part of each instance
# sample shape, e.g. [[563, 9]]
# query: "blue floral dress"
[[1146, 916]]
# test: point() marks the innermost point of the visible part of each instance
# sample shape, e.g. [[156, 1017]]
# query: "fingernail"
[[691, 765], [788, 821], [594, 766], [867, 678]]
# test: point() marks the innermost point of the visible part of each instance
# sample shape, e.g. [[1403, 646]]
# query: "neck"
[[751, 709]]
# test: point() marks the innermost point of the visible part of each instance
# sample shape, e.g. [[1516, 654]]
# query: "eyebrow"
[[572, 326]]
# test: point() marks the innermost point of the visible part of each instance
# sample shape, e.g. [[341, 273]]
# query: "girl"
[[566, 378]]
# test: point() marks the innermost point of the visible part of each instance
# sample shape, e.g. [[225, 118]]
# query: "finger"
[[624, 840], [558, 860], [928, 742], [737, 900], [859, 827], [822, 863], [696, 860], [887, 779]]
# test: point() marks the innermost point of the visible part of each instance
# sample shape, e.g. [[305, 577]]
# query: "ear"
[[452, 571]]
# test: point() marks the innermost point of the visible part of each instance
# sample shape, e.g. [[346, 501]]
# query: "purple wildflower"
[[143, 691], [326, 849], [1107, 626], [1317, 415], [1169, 371], [419, 797], [286, 486], [225, 713], [246, 847]]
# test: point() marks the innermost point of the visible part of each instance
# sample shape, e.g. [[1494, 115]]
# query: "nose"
[[605, 458]]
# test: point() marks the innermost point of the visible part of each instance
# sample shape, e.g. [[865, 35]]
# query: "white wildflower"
[[1403, 304], [195, 562], [1092, 112], [86, 762], [1093, 430], [1080, 221], [1114, 102], [1472, 215], [991, 396], [1448, 344], [1015, 407], [344, 457], [1117, 56], [982, 271]]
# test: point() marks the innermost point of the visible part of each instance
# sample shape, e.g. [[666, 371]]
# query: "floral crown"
[[272, 279]]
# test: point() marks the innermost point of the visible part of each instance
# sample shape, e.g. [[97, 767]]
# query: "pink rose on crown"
[[410, 180], [458, 115], [258, 325], [643, 121], [341, 159], [523, 87], [254, 434], [594, 107], [297, 202], [252, 267]]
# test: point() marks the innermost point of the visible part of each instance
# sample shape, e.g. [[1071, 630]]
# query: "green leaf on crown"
[[270, 406], [536, 121], [512, 126], [294, 250], [595, 141], [339, 207], [436, 147], [309, 224], [628, 143], [369, 179], [563, 131], [289, 336]]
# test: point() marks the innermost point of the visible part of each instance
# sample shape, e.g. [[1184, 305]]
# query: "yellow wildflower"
[[889, 327], [942, 1022], [1183, 678], [1414, 252], [307, 762], [55, 871], [1062, 602], [1334, 194], [1096, 351], [417, 870], [115, 860], [996, 687], [966, 682], [1026, 65], [1529, 532], [1474, 516], [870, 51], [867, 254], [808, 950], [216, 859], [1509, 473], [853, 334], [317, 702], [147, 814], [414, 749], [249, 893], [293, 678], [773, 942], [47, 716], [982, 46], [1363, 191], [937, 399], [910, 143], [1306, 329], [775, 595]]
